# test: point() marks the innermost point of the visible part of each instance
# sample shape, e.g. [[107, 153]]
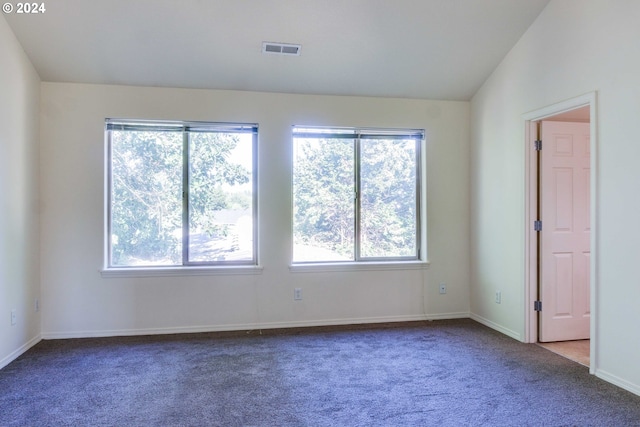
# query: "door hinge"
[[537, 225], [538, 145], [537, 305]]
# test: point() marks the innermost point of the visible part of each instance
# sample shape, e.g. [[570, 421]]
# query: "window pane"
[[146, 198], [220, 197], [388, 198], [323, 199]]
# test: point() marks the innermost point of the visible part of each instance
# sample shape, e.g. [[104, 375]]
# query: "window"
[[356, 194], [180, 193]]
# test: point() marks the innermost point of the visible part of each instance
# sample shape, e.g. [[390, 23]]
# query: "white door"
[[564, 239]]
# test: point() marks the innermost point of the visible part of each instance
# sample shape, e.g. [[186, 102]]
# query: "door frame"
[[531, 236]]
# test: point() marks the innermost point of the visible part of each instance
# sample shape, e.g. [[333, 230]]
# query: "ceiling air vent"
[[281, 48]]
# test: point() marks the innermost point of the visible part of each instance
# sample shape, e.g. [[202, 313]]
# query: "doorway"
[[560, 313]]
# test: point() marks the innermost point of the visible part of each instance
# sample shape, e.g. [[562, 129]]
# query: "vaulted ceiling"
[[434, 49]]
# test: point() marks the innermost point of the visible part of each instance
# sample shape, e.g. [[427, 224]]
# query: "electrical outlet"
[[498, 297], [443, 288], [13, 317], [297, 294], [36, 305]]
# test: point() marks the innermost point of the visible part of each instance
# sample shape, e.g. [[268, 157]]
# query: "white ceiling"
[[434, 49]]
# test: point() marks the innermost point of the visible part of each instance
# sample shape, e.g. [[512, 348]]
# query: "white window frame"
[[417, 260], [187, 267]]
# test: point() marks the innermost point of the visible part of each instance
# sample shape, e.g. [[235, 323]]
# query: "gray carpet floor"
[[443, 373]]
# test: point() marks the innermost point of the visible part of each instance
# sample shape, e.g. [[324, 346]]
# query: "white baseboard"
[[448, 316], [14, 355], [615, 380], [513, 334], [249, 326]]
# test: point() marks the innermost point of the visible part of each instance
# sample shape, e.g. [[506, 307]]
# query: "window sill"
[[358, 266], [181, 271]]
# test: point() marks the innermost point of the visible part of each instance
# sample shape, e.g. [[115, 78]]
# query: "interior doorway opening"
[[578, 110]]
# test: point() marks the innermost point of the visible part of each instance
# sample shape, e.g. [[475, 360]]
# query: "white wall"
[[574, 47], [19, 235], [79, 302]]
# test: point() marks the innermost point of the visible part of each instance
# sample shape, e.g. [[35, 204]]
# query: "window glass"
[[181, 193], [356, 194], [388, 198], [220, 197], [323, 189], [146, 198]]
